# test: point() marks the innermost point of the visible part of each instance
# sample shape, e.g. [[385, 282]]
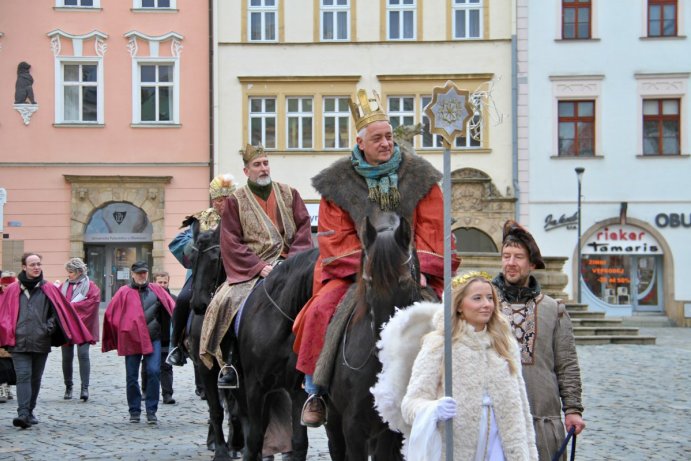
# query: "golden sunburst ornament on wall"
[[449, 111]]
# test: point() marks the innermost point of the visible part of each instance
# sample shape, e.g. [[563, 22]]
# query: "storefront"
[[622, 270]]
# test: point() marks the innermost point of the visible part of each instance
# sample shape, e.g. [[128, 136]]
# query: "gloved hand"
[[446, 408]]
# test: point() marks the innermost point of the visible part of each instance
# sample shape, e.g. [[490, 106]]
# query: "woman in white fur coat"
[[490, 411]]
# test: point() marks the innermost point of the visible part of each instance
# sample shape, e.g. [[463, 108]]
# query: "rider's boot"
[[176, 357], [314, 411], [228, 378]]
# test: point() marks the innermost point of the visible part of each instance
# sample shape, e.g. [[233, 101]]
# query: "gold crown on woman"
[[363, 112], [251, 152], [460, 280]]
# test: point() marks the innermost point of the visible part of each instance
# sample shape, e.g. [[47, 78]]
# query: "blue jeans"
[[152, 363], [28, 366]]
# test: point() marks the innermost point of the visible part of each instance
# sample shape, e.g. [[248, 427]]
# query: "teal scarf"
[[382, 180]]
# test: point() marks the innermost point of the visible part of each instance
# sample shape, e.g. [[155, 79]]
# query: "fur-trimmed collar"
[[340, 184]]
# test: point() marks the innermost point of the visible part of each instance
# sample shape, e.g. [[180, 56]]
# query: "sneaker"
[[9, 392], [314, 411], [176, 357], [168, 399], [135, 417], [151, 418], [3, 393], [228, 378]]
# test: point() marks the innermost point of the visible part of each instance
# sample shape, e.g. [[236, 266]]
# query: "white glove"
[[446, 408]]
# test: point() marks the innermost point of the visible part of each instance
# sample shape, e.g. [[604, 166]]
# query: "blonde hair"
[[501, 337]]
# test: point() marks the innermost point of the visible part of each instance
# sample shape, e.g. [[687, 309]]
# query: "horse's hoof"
[[211, 446]]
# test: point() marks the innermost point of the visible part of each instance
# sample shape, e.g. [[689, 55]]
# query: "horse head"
[[390, 272], [207, 268]]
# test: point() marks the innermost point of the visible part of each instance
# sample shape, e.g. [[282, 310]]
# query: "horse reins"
[[273, 303]]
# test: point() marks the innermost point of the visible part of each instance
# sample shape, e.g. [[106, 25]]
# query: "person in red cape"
[[34, 316], [379, 176], [85, 296], [136, 321]]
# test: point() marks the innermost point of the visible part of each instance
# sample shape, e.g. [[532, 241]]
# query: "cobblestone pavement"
[[637, 398]]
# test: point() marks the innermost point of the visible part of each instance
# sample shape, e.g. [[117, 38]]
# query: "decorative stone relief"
[[26, 111]]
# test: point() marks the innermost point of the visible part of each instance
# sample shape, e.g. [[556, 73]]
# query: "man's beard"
[[264, 180]]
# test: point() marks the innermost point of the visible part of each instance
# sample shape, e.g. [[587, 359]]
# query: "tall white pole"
[[448, 379]]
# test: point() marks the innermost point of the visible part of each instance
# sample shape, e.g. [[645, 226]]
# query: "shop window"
[[608, 277]]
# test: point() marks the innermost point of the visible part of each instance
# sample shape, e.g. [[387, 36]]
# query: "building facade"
[[607, 87], [113, 150], [286, 70]]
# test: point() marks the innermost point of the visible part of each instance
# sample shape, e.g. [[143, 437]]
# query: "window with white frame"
[[263, 20], [78, 3], [401, 19], [401, 111], [80, 97], [335, 20], [161, 4], [157, 92], [661, 127], [430, 140], [336, 116], [467, 19], [263, 122], [300, 116]]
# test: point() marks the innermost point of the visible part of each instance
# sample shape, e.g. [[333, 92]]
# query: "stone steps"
[[593, 328]]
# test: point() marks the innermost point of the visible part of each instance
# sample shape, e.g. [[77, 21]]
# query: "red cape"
[[87, 309], [124, 325], [72, 328]]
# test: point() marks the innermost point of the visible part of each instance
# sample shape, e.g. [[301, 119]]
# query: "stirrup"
[[230, 379], [176, 352]]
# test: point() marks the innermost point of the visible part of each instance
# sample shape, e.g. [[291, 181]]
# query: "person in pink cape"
[[35, 316]]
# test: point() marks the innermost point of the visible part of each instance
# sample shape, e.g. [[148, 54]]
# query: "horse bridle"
[[219, 261]]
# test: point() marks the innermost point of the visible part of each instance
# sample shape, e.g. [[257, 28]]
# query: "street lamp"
[[579, 175]]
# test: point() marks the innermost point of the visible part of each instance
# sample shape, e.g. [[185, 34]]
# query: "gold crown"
[[462, 279], [362, 111], [251, 152]]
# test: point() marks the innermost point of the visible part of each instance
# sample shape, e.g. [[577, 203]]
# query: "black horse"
[[389, 278], [207, 274], [262, 350]]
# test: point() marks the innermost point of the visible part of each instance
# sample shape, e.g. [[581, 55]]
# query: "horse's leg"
[[356, 432], [257, 418], [299, 440], [334, 432], [388, 446], [209, 378]]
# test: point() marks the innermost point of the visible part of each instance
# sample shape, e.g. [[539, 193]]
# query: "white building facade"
[[285, 71], [605, 87]]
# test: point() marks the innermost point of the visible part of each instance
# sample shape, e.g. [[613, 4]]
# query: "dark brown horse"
[[389, 278]]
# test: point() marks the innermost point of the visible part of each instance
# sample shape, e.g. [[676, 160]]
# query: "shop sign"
[[570, 222], [663, 220], [621, 239]]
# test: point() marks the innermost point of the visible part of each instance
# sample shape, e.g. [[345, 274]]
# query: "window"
[[401, 19], [662, 18], [576, 128], [336, 122], [661, 127], [263, 122], [80, 92], [401, 111], [467, 19], [575, 19], [300, 116], [335, 24], [78, 3], [262, 16], [156, 92], [430, 140], [163, 4]]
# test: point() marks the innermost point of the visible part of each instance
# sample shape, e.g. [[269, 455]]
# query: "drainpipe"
[[514, 124], [211, 91]]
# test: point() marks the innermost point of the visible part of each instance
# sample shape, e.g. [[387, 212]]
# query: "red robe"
[[87, 309], [124, 325], [239, 261], [73, 329], [339, 261]]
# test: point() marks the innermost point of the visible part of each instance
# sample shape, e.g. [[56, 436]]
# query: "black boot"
[[21, 421], [84, 395], [68, 392], [228, 378], [176, 357]]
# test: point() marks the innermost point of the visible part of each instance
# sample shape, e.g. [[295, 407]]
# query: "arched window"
[[471, 240]]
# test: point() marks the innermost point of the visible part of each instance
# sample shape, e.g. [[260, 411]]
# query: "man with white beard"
[[263, 222]]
